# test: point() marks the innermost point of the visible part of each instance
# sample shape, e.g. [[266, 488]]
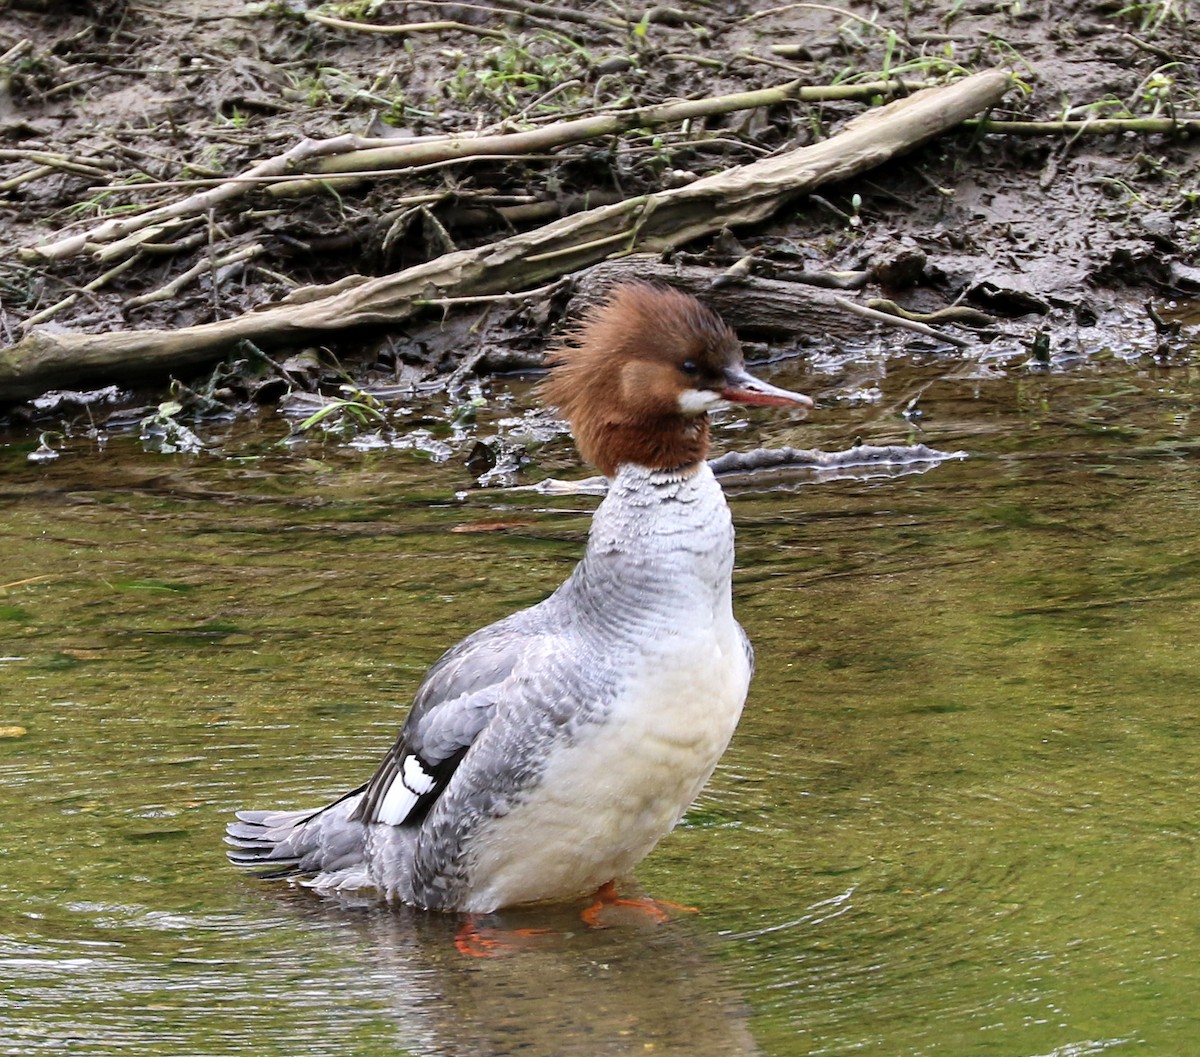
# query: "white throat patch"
[[696, 401]]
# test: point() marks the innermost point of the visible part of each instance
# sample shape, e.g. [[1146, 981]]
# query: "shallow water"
[[959, 817]]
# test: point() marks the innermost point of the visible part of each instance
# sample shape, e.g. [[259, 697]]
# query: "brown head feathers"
[[619, 373], [637, 374]]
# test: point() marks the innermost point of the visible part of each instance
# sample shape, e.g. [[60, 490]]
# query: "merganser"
[[547, 754]]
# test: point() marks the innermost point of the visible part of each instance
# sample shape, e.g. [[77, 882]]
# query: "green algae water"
[[959, 816]]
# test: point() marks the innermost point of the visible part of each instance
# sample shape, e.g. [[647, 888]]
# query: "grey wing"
[[456, 701], [747, 648]]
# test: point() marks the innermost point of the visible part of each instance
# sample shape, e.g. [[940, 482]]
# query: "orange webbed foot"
[[657, 910], [477, 942]]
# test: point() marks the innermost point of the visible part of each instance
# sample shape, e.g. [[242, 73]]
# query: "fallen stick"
[[348, 153], [890, 320], [404, 29], [28, 176], [351, 166], [100, 281], [650, 223], [64, 162], [1101, 126], [169, 290], [193, 205]]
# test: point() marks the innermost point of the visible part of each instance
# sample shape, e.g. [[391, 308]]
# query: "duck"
[[545, 755]]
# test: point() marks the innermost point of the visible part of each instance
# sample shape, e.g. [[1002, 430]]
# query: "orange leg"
[[476, 942], [606, 896]]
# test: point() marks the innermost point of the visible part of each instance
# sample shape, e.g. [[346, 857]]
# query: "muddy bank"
[[1044, 243]]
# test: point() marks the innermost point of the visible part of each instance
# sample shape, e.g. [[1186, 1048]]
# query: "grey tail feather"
[[267, 841], [275, 844]]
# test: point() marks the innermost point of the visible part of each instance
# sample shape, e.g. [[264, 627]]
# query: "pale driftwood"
[[404, 29], [184, 279], [357, 157], [349, 167], [650, 223], [1101, 126], [164, 217], [890, 320]]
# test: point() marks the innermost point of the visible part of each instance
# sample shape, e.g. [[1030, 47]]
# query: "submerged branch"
[[868, 456], [861, 461]]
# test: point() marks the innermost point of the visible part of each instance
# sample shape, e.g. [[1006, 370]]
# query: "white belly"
[[605, 800]]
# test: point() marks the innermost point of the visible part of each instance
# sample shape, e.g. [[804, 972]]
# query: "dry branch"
[[350, 166], [649, 223], [354, 157], [169, 290], [99, 282], [404, 29], [166, 216], [890, 320], [1105, 126]]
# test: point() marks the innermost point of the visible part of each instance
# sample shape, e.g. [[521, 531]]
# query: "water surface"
[[959, 817]]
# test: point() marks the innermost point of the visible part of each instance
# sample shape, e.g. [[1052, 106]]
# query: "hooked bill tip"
[[743, 388]]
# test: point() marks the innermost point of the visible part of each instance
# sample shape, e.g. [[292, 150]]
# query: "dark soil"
[[1071, 243]]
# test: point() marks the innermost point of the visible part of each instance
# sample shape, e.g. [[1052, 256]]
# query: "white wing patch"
[[402, 795]]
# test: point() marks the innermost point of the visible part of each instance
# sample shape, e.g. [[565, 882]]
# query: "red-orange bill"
[[741, 387]]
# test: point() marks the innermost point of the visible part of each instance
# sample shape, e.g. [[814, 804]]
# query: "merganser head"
[[638, 374]]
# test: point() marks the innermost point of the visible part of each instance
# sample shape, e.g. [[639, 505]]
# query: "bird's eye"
[[690, 367]]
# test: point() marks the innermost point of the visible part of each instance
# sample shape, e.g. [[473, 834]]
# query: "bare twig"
[[404, 29], [91, 167], [139, 238], [196, 204], [1106, 126], [48, 163], [187, 242], [1153, 49], [390, 157], [487, 299], [564, 13], [17, 50], [169, 290], [47, 314], [28, 176], [899, 321]]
